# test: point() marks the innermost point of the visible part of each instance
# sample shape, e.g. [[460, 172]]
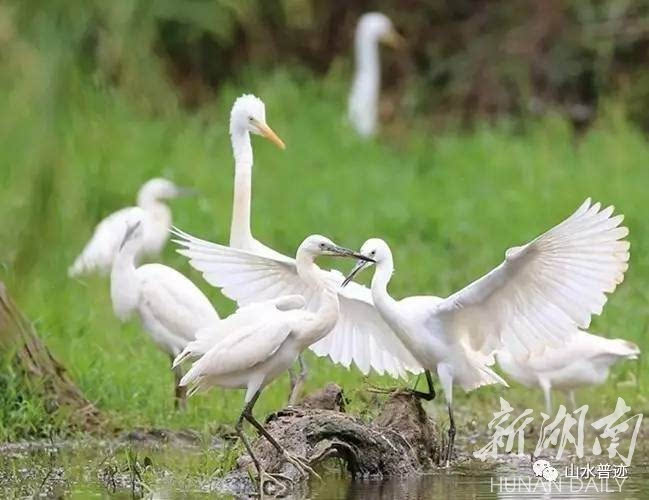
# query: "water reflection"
[[501, 482]]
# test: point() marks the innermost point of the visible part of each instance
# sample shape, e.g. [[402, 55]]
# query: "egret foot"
[[277, 487], [301, 464], [426, 396]]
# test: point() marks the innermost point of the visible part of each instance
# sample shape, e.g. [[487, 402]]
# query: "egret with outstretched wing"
[[540, 296]]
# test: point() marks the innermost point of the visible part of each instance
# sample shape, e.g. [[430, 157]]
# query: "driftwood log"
[[42, 374], [401, 440]]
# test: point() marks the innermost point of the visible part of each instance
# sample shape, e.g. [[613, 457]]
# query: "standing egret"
[[538, 297], [253, 346], [372, 28], [248, 116], [583, 361], [170, 307], [99, 252]]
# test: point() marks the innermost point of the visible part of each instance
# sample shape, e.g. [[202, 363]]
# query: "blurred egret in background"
[[583, 361], [170, 307], [253, 346], [540, 296], [99, 252], [372, 28]]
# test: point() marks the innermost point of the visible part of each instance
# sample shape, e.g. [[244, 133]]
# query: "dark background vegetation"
[[466, 59]]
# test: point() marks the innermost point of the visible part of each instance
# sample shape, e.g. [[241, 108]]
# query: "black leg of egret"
[[430, 395], [426, 396], [297, 382], [300, 463], [263, 475], [451, 435], [180, 393]]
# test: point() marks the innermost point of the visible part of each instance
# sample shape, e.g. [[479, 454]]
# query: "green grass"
[[449, 204]]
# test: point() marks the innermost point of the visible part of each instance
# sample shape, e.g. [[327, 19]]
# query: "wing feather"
[[545, 291], [360, 335]]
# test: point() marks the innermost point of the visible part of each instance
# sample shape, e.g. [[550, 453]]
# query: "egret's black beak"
[[360, 265], [336, 251], [129, 232]]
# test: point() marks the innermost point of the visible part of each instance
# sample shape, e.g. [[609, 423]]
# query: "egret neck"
[[329, 309], [240, 235], [383, 301], [124, 289]]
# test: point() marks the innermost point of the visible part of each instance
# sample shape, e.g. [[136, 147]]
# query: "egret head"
[[249, 115], [161, 189], [316, 245], [378, 27], [374, 250]]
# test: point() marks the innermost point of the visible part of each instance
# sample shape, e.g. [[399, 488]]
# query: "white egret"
[[99, 252], [583, 361], [248, 116], [170, 307], [253, 346], [372, 28], [540, 296]]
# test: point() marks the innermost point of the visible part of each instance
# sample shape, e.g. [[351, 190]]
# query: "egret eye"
[[373, 252], [322, 245]]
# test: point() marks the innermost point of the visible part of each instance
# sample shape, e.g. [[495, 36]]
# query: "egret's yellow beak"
[[394, 39], [269, 134]]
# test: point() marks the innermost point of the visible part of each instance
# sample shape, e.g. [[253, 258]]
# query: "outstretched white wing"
[[360, 336], [546, 290], [99, 252]]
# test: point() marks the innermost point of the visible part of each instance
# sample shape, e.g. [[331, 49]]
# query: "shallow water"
[[101, 469]]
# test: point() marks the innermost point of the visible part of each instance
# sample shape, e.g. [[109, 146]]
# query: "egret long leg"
[[451, 435], [300, 463], [180, 393], [297, 382], [263, 475]]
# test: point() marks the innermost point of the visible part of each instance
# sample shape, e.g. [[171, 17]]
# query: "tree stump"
[[43, 374], [402, 440]]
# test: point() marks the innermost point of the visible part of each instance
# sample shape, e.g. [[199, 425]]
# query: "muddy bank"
[[401, 440]]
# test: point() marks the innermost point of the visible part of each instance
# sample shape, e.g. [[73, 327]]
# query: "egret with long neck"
[[170, 307], [248, 116], [99, 252], [539, 297], [372, 29]]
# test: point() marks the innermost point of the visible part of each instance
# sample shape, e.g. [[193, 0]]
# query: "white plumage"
[[583, 361], [170, 307], [540, 296], [253, 346], [360, 336], [248, 116], [372, 28], [99, 252]]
